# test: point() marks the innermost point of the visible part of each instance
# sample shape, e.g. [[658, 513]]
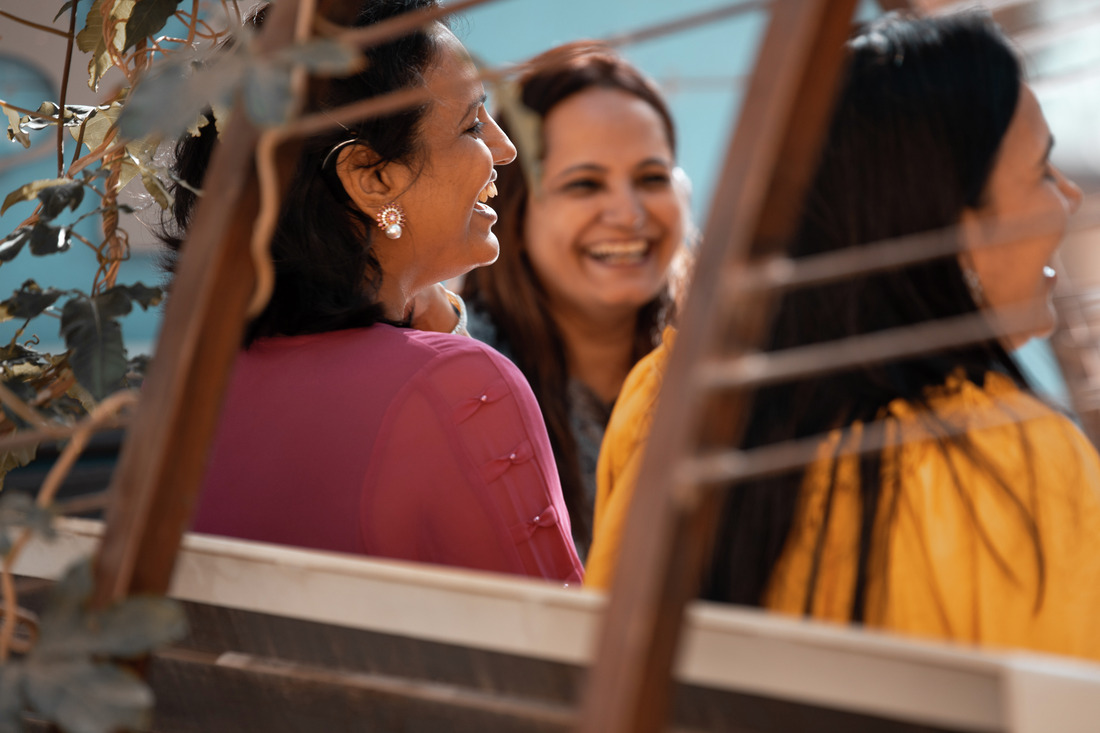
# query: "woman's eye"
[[582, 185], [476, 128], [656, 180]]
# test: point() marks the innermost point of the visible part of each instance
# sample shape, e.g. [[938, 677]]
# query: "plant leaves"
[[75, 114], [145, 296], [128, 629], [268, 94], [67, 6], [28, 301], [10, 245], [14, 132], [15, 458], [49, 240], [146, 19], [56, 198], [18, 509], [94, 339], [88, 697], [11, 697], [90, 38], [323, 57], [29, 191]]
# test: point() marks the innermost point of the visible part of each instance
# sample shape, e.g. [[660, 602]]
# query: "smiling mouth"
[[626, 252], [489, 192]]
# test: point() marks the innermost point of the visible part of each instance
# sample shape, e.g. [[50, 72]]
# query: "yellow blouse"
[[953, 553]]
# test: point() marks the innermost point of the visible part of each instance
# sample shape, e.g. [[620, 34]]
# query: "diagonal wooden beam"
[[164, 457], [756, 203]]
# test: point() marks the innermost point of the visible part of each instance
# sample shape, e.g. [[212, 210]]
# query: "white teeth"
[[488, 192], [619, 251]]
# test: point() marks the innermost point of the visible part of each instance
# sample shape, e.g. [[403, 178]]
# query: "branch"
[[105, 411], [36, 26], [64, 91]]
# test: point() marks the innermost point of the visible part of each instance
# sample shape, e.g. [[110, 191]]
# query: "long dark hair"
[[509, 291], [913, 140], [326, 276]]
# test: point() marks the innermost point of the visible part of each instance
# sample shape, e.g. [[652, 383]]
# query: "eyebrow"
[[475, 105]]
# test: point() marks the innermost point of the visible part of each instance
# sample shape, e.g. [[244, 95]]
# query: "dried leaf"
[[143, 295], [90, 38], [98, 125], [12, 459], [47, 239], [14, 131], [146, 20], [29, 191], [55, 199], [28, 301], [11, 244], [94, 339], [88, 697]]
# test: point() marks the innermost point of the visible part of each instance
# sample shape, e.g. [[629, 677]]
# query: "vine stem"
[[106, 411], [64, 91], [36, 26]]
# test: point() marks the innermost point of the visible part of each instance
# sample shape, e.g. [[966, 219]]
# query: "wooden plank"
[[163, 459], [756, 203]]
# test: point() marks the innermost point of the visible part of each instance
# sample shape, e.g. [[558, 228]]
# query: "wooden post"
[[757, 201], [163, 459]]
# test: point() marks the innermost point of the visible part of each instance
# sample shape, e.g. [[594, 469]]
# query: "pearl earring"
[[391, 219]]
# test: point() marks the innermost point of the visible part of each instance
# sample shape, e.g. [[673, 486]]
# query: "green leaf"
[[29, 191], [28, 301], [146, 20], [94, 339], [66, 6], [169, 98], [128, 629], [11, 697], [268, 96], [11, 244], [56, 198], [18, 509], [48, 240], [323, 57], [88, 697]]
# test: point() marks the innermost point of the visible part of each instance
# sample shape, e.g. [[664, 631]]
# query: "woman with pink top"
[[345, 428]]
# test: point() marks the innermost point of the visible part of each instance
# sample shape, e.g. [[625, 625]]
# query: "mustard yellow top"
[[957, 559]]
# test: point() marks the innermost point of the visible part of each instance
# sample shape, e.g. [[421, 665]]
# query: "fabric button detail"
[[490, 394], [548, 517], [497, 467]]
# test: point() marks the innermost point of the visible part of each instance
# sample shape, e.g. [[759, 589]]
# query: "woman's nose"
[[624, 208], [504, 152]]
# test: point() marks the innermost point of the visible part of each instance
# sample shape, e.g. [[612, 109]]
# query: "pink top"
[[389, 442]]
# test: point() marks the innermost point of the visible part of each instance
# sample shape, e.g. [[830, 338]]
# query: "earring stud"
[[391, 220]]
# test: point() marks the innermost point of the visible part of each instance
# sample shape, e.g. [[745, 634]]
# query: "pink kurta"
[[389, 442]]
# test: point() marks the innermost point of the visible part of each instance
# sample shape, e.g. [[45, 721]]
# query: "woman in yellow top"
[[945, 500]]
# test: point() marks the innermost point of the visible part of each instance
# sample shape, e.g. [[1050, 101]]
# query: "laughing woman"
[[345, 429], [582, 288], [945, 500]]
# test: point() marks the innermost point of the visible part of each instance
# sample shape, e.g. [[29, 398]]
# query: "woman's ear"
[[369, 185]]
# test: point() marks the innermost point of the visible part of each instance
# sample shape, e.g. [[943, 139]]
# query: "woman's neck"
[[598, 353]]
